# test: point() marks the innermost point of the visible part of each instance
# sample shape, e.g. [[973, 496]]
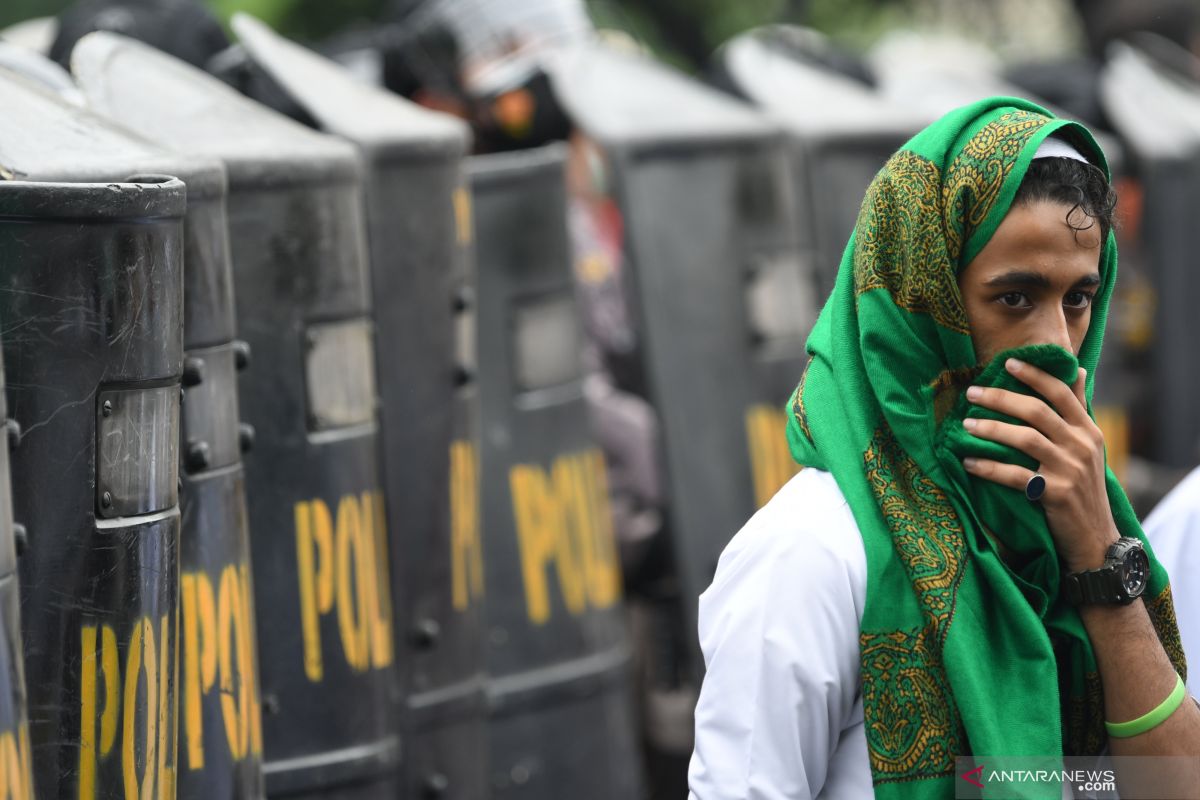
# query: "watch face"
[[1135, 571]]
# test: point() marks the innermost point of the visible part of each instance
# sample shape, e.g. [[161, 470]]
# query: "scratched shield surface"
[[558, 648], [423, 284], [17, 782], [318, 533], [93, 272], [218, 726]]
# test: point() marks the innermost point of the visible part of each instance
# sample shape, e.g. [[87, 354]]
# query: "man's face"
[[1033, 282]]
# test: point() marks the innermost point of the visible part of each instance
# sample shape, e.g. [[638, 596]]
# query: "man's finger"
[[1028, 440], [1063, 398], [1031, 410], [1009, 475]]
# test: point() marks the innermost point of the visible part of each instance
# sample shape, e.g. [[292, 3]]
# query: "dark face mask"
[[520, 117]]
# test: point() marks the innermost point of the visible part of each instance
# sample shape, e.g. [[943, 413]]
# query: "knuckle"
[[1045, 417]]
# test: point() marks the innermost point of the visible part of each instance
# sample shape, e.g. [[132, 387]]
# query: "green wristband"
[[1151, 719]]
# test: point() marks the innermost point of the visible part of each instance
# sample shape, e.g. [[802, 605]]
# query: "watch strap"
[[1097, 586]]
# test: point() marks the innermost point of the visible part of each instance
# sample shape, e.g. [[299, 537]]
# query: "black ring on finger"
[[1035, 488]]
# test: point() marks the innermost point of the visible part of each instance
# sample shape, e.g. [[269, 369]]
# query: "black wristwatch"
[[1122, 579]]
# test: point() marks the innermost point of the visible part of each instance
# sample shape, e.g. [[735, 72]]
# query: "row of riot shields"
[[268, 482], [333, 522]]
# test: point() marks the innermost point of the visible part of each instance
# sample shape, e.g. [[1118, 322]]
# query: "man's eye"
[[1078, 300], [1015, 300]]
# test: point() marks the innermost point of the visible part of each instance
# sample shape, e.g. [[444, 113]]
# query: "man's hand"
[[1134, 668], [1069, 449]]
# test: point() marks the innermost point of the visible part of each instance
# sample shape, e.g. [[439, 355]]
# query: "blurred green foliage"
[[12, 11], [682, 31], [306, 20]]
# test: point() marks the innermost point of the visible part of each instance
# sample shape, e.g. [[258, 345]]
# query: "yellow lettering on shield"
[[563, 518]]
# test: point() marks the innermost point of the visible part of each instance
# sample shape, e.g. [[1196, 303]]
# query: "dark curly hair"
[[1074, 183]]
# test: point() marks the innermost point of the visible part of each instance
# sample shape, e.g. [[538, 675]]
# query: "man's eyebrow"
[[1036, 279], [1019, 278]]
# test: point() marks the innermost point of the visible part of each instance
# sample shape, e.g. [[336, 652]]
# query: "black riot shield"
[[558, 652], [17, 781], [418, 213], [220, 717], [714, 276], [318, 536], [220, 724], [840, 134], [1156, 111], [94, 386], [93, 274]]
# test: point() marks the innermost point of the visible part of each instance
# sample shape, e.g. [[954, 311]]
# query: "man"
[[955, 572]]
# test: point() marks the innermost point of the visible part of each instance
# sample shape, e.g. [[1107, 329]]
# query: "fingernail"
[[1013, 365], [969, 463], [974, 392], [970, 423]]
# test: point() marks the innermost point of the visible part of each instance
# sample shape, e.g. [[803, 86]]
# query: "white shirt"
[[1173, 530], [780, 713]]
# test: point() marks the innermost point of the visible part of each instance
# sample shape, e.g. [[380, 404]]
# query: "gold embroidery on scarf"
[[913, 726], [1085, 734], [1162, 613], [948, 386], [798, 405], [900, 245], [926, 531], [977, 174]]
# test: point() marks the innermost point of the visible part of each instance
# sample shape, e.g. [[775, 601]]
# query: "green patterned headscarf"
[[966, 646]]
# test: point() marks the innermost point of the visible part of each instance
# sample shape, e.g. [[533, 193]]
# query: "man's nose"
[[1054, 329]]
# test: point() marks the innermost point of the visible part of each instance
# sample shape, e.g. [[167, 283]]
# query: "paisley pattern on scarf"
[[899, 244], [798, 404], [1083, 719], [914, 729], [948, 386], [926, 532], [976, 176], [1162, 614]]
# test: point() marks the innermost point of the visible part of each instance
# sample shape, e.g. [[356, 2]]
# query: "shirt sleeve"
[[779, 631]]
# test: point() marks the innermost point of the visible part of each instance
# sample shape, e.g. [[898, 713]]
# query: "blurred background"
[[686, 32]]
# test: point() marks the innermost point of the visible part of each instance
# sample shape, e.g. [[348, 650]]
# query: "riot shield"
[[418, 213], [93, 273], [315, 508], [840, 133], [217, 763], [94, 386], [558, 651], [220, 728], [1154, 108], [14, 720], [715, 278]]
